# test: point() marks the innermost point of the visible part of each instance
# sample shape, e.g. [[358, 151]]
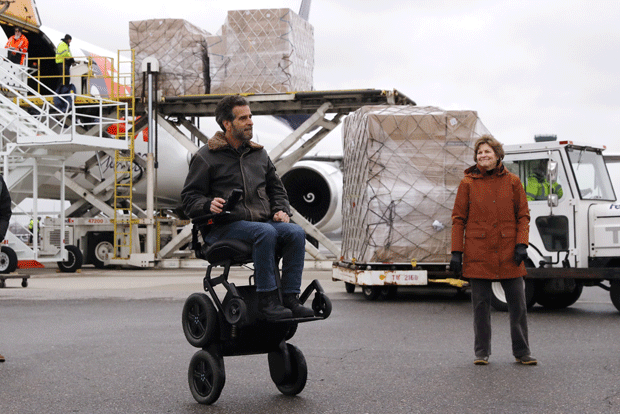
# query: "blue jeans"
[[288, 239]]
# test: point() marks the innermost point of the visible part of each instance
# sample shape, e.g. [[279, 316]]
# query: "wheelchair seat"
[[233, 251]]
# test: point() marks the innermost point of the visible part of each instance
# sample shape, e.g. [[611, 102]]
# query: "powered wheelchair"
[[233, 326]]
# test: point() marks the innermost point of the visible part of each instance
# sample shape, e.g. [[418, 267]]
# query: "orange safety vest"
[[20, 44]]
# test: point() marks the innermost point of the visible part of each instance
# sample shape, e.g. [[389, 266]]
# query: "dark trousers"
[[64, 70], [517, 308]]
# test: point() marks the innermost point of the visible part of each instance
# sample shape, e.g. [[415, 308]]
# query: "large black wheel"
[[560, 300], [349, 287], [8, 260], [498, 296], [371, 292], [199, 320], [206, 377], [74, 260], [100, 248], [290, 375], [614, 293]]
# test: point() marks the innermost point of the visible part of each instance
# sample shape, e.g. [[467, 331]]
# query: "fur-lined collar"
[[218, 142]]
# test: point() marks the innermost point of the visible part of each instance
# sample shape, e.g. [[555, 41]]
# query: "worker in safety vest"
[[18, 47], [537, 187], [64, 59], [31, 228]]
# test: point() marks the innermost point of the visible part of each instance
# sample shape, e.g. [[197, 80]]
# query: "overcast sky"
[[526, 67]]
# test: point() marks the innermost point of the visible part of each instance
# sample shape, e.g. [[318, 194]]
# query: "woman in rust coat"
[[490, 229]]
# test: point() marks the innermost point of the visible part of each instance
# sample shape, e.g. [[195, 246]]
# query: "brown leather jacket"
[[217, 168]]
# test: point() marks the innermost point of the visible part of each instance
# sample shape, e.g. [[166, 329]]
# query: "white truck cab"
[[574, 222]]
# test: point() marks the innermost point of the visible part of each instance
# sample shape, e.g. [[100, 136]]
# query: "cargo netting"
[[402, 168], [255, 51]]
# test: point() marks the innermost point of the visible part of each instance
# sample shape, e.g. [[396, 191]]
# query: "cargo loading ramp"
[[288, 103], [313, 106]]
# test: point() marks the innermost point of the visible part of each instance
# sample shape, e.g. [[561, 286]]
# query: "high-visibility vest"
[[20, 44], [538, 189], [62, 52]]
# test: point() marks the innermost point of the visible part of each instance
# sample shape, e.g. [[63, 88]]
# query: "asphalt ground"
[[111, 342]]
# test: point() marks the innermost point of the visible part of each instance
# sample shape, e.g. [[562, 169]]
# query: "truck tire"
[[614, 293], [8, 260], [371, 292], [498, 297], [559, 300], [74, 260], [100, 246]]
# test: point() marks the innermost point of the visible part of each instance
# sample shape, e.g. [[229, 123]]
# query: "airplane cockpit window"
[[591, 174]]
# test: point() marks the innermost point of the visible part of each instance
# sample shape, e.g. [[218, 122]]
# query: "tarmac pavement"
[[90, 282], [110, 341]]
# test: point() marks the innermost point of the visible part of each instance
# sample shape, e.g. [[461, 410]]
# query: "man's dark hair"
[[224, 109]]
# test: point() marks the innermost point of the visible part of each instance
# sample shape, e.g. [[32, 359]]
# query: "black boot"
[[269, 306], [291, 301]]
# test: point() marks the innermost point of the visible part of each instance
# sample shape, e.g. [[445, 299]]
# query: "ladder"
[[125, 222]]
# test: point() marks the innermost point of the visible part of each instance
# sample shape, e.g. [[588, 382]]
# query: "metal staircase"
[[37, 137]]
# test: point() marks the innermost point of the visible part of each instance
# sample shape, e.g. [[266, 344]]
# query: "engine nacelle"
[[315, 190]]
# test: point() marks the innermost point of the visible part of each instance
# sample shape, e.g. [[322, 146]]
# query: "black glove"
[[520, 253], [456, 263]]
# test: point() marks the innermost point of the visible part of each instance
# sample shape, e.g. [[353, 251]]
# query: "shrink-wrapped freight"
[[402, 168]]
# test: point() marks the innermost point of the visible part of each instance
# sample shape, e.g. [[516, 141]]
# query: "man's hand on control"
[[281, 216], [216, 205]]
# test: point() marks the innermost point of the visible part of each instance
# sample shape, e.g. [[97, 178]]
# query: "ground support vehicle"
[[233, 326], [382, 280], [574, 227], [574, 239], [94, 236]]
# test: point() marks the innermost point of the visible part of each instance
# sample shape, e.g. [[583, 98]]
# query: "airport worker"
[[18, 47], [5, 216], [64, 59], [490, 230], [538, 187], [231, 160]]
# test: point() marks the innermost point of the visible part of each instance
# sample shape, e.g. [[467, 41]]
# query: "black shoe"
[[2, 358], [291, 301], [269, 306], [483, 360], [527, 360]]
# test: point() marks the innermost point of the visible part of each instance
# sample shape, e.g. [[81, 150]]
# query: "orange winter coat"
[[490, 217]]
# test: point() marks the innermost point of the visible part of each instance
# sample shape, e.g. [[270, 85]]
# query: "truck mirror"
[[552, 172], [552, 200]]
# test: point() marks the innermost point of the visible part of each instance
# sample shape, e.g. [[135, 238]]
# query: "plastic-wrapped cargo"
[[262, 51], [402, 168], [180, 48]]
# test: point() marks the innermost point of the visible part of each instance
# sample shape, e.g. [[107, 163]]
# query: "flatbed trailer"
[[382, 280]]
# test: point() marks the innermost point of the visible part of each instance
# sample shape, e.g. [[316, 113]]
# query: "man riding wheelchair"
[[261, 216]]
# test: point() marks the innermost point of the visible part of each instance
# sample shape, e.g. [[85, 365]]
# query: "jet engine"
[[315, 190]]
